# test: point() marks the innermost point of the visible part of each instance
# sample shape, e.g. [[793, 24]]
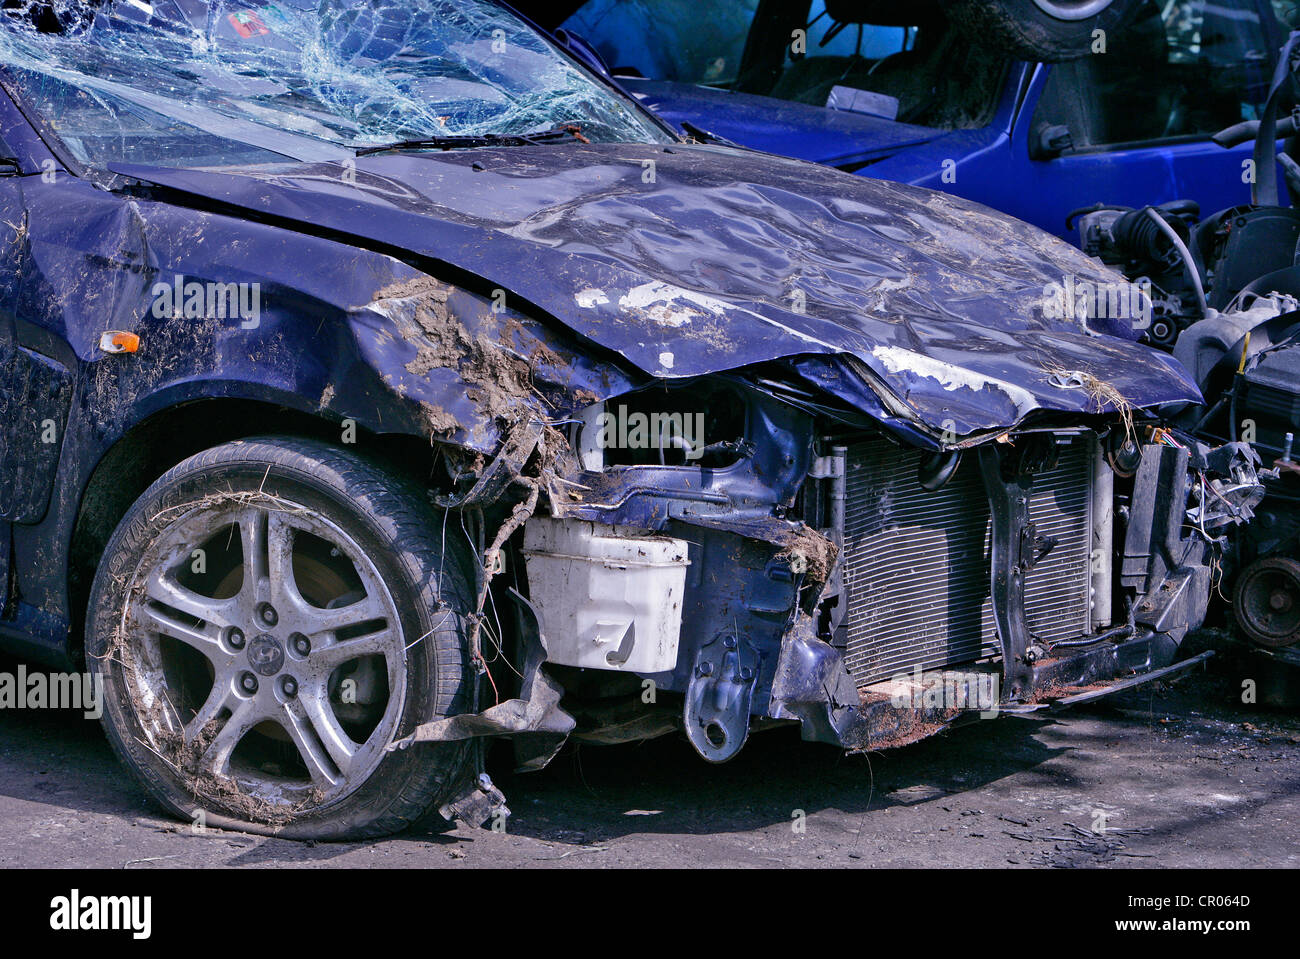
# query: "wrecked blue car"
[[1036, 124], [378, 382]]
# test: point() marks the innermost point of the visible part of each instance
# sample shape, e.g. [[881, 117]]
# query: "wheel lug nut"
[[266, 612], [289, 686], [235, 637], [248, 682], [301, 644]]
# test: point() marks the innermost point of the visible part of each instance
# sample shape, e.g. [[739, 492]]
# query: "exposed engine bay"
[[1225, 301], [773, 563]]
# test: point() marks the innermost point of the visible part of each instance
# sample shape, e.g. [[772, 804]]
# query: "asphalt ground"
[[1168, 775]]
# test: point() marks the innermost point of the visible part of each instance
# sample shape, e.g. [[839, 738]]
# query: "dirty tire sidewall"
[[389, 518], [1023, 30]]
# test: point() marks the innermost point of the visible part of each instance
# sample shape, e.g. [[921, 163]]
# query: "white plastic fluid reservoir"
[[608, 597]]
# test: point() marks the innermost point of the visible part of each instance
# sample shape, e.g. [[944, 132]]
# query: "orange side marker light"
[[119, 341]]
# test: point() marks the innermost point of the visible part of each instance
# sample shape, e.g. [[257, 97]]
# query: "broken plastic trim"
[[535, 719]]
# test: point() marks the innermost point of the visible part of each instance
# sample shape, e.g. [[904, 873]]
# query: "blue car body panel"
[[920, 311], [990, 165]]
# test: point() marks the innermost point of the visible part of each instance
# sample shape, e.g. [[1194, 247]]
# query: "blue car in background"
[[900, 92]]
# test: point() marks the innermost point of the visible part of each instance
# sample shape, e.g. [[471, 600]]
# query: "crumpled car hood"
[[689, 260]]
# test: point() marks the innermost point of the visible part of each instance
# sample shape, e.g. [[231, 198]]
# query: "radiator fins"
[[916, 564]]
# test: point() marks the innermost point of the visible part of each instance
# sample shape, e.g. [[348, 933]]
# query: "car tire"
[[1048, 31], [1266, 602], [278, 570]]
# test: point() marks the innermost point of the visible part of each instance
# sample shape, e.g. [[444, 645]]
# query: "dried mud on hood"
[[498, 383]]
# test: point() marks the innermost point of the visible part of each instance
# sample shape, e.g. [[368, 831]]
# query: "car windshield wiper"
[[701, 135], [565, 131]]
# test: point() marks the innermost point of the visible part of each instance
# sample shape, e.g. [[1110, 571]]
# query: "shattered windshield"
[[204, 83]]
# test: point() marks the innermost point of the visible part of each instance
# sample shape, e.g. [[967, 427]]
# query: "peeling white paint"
[[951, 378], [670, 305], [656, 293]]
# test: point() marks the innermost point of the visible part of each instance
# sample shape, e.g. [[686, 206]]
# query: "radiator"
[[916, 563]]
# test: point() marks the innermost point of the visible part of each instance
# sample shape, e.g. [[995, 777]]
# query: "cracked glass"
[[193, 83]]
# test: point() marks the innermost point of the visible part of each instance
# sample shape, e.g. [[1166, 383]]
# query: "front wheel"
[[267, 618]]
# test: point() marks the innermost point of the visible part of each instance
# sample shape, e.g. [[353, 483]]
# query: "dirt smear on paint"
[[497, 381]]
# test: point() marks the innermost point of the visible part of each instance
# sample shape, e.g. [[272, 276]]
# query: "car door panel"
[[34, 403], [36, 374], [12, 242], [1141, 126]]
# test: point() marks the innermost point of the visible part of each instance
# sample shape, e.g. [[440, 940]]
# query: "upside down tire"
[[1047, 31]]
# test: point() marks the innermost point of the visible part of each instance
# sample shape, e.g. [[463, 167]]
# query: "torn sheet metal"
[[537, 714], [535, 720], [473, 365]]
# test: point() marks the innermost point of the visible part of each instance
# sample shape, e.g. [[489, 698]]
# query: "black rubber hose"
[[1140, 237]]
